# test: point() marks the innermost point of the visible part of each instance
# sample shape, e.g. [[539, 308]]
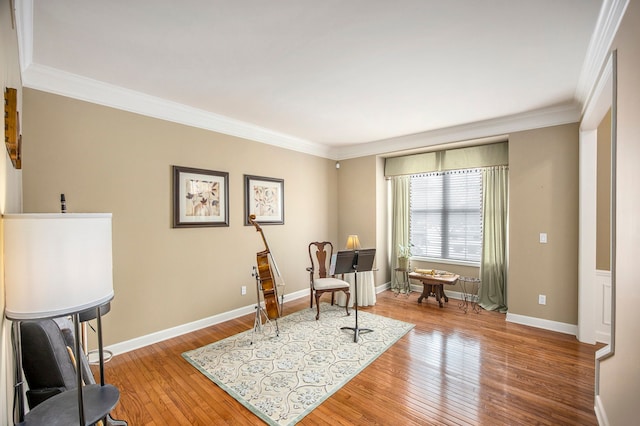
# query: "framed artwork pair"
[[201, 198]]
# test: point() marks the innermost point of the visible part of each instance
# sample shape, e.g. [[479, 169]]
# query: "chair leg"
[[333, 297], [317, 305], [347, 305], [311, 298]]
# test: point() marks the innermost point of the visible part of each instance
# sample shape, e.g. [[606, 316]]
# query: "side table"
[[433, 284], [470, 287], [402, 278]]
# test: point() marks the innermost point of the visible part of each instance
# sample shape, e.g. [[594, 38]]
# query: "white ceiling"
[[331, 77]]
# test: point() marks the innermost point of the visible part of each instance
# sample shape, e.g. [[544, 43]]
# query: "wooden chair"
[[319, 281]]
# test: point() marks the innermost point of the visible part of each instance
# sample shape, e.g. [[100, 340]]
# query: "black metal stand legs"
[[356, 330]]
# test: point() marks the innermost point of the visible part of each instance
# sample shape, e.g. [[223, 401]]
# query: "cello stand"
[[260, 312]]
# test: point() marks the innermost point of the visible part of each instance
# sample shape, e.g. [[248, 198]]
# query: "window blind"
[[446, 215]]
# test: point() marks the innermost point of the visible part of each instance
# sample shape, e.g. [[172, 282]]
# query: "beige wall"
[[362, 208], [383, 276], [357, 200], [10, 201], [620, 374], [543, 197], [107, 160], [603, 200]]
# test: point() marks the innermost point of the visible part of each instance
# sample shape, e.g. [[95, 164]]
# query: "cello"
[[265, 273]]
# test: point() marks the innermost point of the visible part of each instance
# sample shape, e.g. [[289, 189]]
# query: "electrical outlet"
[[543, 238], [244, 290], [542, 299]]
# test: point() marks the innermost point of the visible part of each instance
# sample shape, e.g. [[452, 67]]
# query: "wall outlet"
[[244, 290], [543, 238], [542, 299]]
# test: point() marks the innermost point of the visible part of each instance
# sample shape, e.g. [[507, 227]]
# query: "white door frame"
[[590, 308]]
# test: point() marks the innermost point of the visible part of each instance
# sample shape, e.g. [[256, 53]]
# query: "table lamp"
[[353, 242], [58, 265]]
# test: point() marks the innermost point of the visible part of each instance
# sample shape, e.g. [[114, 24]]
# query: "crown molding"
[[24, 26], [77, 87], [609, 19], [553, 116], [55, 81], [65, 84], [600, 99]]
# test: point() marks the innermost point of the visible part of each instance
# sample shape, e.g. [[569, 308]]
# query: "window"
[[446, 215]]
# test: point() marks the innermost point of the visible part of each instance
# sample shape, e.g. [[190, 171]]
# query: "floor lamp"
[[58, 265]]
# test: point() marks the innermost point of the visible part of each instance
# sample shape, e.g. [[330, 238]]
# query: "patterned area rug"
[[283, 378]]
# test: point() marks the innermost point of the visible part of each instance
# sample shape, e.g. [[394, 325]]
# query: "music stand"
[[354, 261]]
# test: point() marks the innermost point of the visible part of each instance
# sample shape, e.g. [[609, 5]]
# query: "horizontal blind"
[[446, 215]]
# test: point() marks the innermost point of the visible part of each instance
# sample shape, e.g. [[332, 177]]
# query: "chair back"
[[320, 253]]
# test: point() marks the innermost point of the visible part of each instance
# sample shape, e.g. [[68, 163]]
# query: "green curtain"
[[399, 221], [492, 294]]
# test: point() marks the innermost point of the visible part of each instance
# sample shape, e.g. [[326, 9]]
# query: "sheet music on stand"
[[353, 261], [332, 265]]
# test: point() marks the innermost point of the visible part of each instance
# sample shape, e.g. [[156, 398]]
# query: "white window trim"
[[445, 261]]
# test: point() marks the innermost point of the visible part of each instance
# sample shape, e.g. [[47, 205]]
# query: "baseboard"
[[602, 337], [543, 323], [149, 339], [384, 287], [418, 289], [601, 414], [453, 294]]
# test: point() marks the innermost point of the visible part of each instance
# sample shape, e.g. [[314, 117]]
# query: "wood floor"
[[451, 369]]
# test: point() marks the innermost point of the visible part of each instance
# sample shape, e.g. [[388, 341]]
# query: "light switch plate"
[[543, 238]]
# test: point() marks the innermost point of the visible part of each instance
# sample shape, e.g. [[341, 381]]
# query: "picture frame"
[[12, 135], [264, 197], [200, 197]]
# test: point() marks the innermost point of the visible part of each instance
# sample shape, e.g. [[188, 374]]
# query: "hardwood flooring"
[[451, 369]]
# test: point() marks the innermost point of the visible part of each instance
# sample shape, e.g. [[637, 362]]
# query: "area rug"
[[283, 378]]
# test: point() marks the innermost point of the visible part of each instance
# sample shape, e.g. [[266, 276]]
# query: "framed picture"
[[200, 198], [264, 197]]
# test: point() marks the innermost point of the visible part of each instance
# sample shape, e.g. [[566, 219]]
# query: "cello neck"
[[252, 220]]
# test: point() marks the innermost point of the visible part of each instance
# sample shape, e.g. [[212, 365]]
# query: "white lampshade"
[[353, 242], [56, 264]]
